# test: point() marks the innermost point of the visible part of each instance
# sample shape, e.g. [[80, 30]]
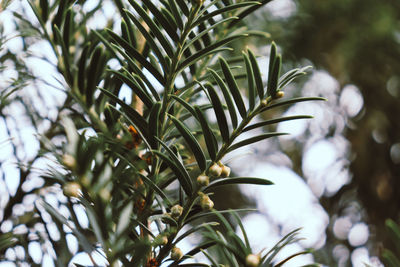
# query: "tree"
[[356, 42], [142, 170]]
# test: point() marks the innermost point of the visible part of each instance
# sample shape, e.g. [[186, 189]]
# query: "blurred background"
[[349, 155], [337, 175]]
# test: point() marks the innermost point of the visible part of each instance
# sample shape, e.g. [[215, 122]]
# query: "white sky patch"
[[11, 175], [35, 251], [281, 9], [341, 227], [351, 100], [266, 235], [84, 259], [318, 157], [358, 234], [289, 202], [360, 257]]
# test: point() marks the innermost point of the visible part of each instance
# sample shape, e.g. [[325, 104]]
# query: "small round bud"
[[72, 189], [252, 260], [279, 94], [225, 171], [215, 170], [176, 254], [206, 203], [105, 194], [176, 211], [203, 180], [264, 102], [69, 161]]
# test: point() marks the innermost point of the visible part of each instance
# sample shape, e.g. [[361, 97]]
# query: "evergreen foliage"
[[144, 168]]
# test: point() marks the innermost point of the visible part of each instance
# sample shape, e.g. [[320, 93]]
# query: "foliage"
[[143, 169], [389, 257]]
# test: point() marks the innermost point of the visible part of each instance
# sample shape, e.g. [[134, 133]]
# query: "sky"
[[292, 201]]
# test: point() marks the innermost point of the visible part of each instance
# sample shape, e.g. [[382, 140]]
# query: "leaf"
[[233, 87], [82, 69], [257, 74], [293, 256], [177, 167], [207, 50], [124, 219], [69, 19], [147, 36], [7, 240], [237, 180], [162, 20], [154, 124], [253, 140], [227, 96], [135, 87], [390, 259], [201, 247], [272, 57], [141, 134], [153, 27], [65, 55], [209, 137], [202, 33], [183, 7], [274, 77], [138, 120], [251, 81], [248, 11], [93, 74], [193, 230], [136, 55], [173, 7], [209, 257], [394, 230], [192, 142], [209, 213], [287, 239], [145, 179], [59, 217], [219, 112], [131, 63], [126, 33], [185, 104], [242, 229], [203, 18], [44, 7], [291, 75], [292, 101], [58, 18], [232, 237], [272, 121]]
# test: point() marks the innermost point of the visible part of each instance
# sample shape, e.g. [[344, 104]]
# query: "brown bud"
[[264, 102], [176, 211], [226, 171], [205, 202], [215, 170], [279, 94], [253, 260], [203, 180], [72, 189], [176, 254], [69, 161]]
